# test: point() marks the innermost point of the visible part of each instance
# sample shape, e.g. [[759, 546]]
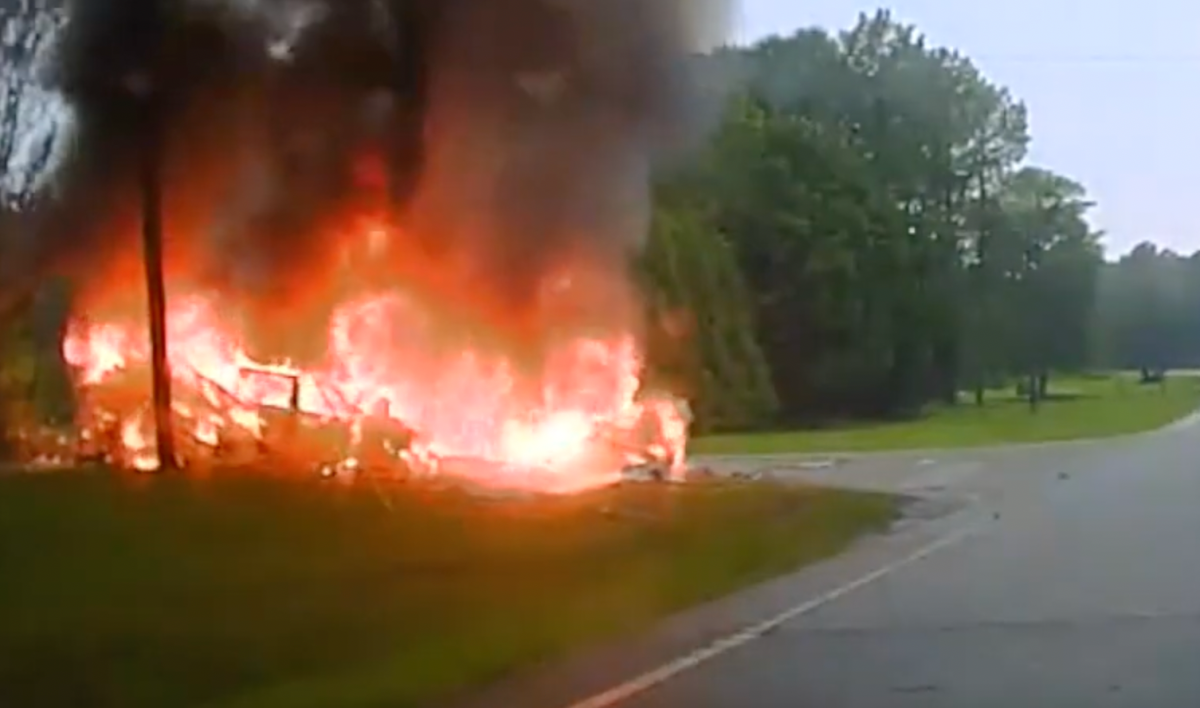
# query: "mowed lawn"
[[1079, 407], [249, 593]]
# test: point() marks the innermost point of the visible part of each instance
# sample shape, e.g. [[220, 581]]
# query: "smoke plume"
[[509, 138]]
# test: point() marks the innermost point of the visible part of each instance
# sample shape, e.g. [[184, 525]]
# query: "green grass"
[[1084, 407], [248, 593]]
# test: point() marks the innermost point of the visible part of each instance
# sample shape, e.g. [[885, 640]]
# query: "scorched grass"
[[261, 594]]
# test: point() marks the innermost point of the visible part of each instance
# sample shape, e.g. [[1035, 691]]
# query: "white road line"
[[666, 672]]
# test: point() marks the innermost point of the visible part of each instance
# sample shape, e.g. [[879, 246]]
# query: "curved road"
[[1054, 576]]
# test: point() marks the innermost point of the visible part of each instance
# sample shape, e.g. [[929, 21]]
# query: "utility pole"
[[150, 182]]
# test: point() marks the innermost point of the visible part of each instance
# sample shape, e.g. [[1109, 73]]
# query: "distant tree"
[[896, 249], [1147, 311]]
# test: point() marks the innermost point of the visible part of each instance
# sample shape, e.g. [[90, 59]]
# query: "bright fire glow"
[[570, 423]]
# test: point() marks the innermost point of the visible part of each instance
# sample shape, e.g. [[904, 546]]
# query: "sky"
[[1112, 87]]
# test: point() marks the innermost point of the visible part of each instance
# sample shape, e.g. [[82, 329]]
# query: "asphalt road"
[[1070, 576], [1085, 592]]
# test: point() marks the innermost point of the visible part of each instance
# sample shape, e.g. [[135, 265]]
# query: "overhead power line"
[[1151, 59]]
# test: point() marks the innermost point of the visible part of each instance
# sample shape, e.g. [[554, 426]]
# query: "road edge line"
[[658, 676]]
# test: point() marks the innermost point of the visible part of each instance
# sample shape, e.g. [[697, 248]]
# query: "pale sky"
[[1112, 86]]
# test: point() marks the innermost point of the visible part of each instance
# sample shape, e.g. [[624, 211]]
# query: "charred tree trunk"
[[156, 299]]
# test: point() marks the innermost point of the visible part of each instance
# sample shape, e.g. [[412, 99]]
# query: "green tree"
[[1053, 284], [872, 191], [1146, 311]]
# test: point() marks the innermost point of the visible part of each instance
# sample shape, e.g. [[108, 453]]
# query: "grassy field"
[[1080, 408], [237, 593]]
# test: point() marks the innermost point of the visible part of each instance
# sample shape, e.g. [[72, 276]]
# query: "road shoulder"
[[924, 524]]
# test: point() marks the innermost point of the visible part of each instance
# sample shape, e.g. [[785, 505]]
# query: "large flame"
[[571, 421]]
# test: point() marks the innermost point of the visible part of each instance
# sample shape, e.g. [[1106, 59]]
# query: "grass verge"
[[249, 593], [1079, 408]]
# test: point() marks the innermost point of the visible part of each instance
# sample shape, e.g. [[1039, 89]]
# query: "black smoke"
[[513, 133]]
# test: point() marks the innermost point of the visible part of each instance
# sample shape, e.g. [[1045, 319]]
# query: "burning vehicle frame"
[[217, 427], [220, 427]]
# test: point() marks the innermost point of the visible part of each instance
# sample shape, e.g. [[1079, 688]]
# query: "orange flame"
[[573, 423]]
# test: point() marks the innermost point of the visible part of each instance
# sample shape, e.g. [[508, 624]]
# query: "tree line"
[[1148, 311], [861, 235]]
